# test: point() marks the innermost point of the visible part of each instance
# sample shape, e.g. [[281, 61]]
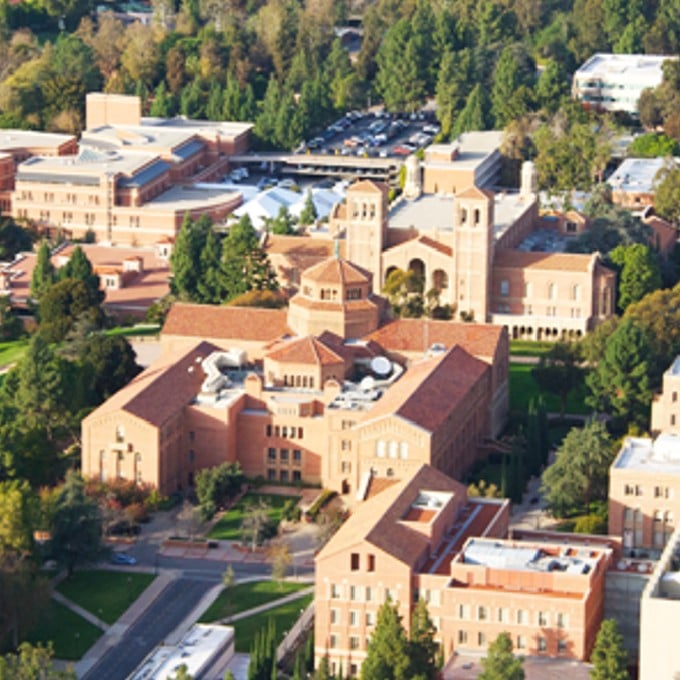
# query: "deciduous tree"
[[558, 371]]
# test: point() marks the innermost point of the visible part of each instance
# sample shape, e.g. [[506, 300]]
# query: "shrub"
[[590, 524], [323, 499]]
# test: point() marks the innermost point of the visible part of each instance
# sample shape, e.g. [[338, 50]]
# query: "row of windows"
[[284, 456], [365, 210], [464, 638], [355, 562], [304, 381], [354, 618], [550, 310], [637, 490], [284, 475], [575, 290], [361, 593], [391, 449], [285, 431], [521, 617]]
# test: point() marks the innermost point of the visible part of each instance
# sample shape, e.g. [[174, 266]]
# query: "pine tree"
[[308, 214], [474, 114], [609, 657], [323, 672], [44, 274], [387, 656], [184, 261], [163, 105], [210, 282], [422, 646], [213, 107], [79, 267], [500, 663]]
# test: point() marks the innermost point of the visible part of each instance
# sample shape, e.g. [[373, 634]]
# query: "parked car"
[[123, 559], [287, 183], [266, 183]]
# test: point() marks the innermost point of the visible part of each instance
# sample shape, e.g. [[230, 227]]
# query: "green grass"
[[70, 635], [106, 594], [228, 527], [284, 618], [12, 351], [523, 388], [527, 348], [135, 331], [245, 596]]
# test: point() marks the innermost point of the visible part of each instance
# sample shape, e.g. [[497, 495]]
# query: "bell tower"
[[366, 227], [473, 223]]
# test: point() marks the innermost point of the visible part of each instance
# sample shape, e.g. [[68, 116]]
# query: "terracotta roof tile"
[[369, 186], [418, 335], [307, 350], [517, 259], [329, 305], [300, 246], [216, 321], [159, 392], [431, 389], [378, 519], [335, 270], [431, 243]]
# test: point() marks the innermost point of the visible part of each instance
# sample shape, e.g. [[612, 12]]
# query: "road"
[[152, 627]]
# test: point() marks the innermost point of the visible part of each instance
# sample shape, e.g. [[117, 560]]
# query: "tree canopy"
[[609, 657], [500, 663]]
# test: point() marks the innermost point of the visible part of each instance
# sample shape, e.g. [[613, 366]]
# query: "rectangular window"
[[354, 642], [271, 454], [371, 563], [481, 639], [503, 615], [462, 637], [370, 619], [561, 646], [561, 620], [269, 430], [297, 476], [542, 618], [354, 618], [369, 594], [354, 561], [284, 455], [297, 456], [463, 611], [271, 474], [352, 592], [481, 613], [521, 642], [542, 644], [335, 616], [335, 591], [333, 641], [285, 476], [521, 617]]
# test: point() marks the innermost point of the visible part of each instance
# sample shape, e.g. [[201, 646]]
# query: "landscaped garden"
[[284, 618], [529, 348], [523, 388], [12, 350], [106, 594], [245, 596], [229, 526], [71, 635]]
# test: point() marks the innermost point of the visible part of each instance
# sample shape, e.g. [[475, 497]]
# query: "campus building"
[[305, 394], [133, 179], [644, 479], [468, 248], [423, 538], [614, 82]]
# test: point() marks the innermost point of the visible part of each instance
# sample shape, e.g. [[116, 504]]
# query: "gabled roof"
[[213, 321], [300, 246], [335, 270], [369, 186], [519, 259], [430, 389], [476, 192], [307, 350], [377, 520], [418, 335], [164, 388]]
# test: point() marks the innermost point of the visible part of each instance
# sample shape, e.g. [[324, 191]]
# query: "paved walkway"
[[83, 613], [267, 606]]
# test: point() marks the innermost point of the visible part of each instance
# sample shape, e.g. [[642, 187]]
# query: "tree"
[[640, 273], [228, 577], [308, 214], [609, 657], [422, 646], [76, 527], [283, 223], [32, 663], [323, 672], [44, 274], [256, 524], [653, 145], [112, 363], [184, 258], [621, 382], [500, 663], [474, 115], [281, 559], [217, 485], [182, 673], [387, 655], [667, 198], [558, 372], [513, 81], [580, 472]]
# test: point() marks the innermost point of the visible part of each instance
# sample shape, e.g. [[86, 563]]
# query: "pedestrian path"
[[268, 605], [77, 609]]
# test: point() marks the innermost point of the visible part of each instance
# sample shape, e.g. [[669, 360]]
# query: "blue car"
[[123, 558]]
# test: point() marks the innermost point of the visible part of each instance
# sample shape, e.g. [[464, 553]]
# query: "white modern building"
[[614, 82]]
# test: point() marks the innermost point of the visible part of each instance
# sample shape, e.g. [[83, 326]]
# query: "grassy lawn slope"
[[245, 596], [523, 388], [106, 594], [228, 527]]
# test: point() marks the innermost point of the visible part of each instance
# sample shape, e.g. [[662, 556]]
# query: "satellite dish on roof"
[[381, 366]]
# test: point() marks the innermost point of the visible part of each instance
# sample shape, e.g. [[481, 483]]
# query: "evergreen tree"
[[44, 274], [323, 672], [609, 657], [553, 86], [455, 70], [640, 273], [308, 214], [184, 261], [621, 382], [513, 80], [474, 114], [500, 663], [265, 123], [387, 656], [210, 283], [80, 268], [163, 105], [213, 107], [422, 646]]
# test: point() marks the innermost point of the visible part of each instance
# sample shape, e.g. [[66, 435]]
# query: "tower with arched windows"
[[473, 252]]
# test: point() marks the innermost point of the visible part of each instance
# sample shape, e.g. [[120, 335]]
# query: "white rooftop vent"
[[381, 366]]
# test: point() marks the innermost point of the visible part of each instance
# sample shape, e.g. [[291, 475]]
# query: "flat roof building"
[[633, 183], [614, 82]]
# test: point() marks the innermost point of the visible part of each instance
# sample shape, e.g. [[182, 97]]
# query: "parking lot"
[[378, 135]]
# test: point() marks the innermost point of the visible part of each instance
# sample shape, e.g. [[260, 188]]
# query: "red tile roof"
[[335, 270], [307, 350], [162, 390], [329, 305], [369, 186], [418, 335], [378, 519], [517, 259], [436, 245], [303, 248], [431, 389], [214, 321]]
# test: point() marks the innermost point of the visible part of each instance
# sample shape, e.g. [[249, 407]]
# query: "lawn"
[[523, 388], [245, 596], [106, 594], [228, 527], [12, 351], [284, 617], [70, 635], [527, 348]]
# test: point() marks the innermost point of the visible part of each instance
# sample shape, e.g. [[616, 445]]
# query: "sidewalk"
[[113, 633], [77, 609]]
